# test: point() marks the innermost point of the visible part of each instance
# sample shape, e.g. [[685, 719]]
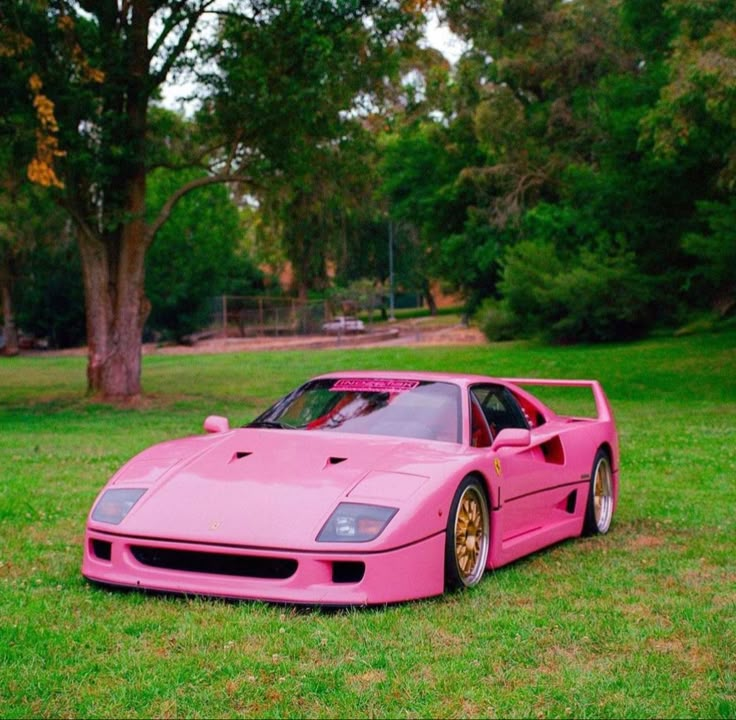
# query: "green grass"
[[639, 623]]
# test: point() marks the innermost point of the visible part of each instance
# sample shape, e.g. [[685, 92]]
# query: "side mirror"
[[512, 437], [216, 424]]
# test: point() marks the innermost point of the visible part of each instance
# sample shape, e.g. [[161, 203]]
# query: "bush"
[[712, 280], [496, 321], [591, 295]]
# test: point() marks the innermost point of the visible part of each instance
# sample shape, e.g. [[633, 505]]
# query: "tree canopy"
[[91, 72], [573, 173]]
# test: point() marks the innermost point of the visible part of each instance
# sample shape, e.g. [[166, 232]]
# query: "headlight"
[[353, 522], [115, 504]]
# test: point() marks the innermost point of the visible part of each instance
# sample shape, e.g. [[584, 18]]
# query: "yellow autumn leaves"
[[41, 168], [14, 44]]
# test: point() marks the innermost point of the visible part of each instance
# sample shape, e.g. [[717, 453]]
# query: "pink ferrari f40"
[[358, 488]]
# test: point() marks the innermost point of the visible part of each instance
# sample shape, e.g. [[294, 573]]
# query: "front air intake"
[[271, 568], [102, 549], [347, 571]]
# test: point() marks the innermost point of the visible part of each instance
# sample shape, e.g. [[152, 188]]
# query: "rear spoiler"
[[602, 405]]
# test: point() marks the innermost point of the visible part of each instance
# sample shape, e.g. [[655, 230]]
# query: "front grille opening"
[[347, 571], [102, 549], [215, 563]]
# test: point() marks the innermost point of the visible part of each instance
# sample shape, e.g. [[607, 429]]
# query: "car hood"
[[271, 488]]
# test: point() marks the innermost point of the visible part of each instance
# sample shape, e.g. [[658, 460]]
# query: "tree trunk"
[[431, 302], [116, 312], [113, 260], [302, 291], [10, 332], [116, 307], [300, 266]]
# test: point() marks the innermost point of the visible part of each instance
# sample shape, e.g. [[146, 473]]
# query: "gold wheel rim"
[[471, 541]]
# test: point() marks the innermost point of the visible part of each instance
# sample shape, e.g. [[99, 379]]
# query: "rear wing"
[[602, 406]]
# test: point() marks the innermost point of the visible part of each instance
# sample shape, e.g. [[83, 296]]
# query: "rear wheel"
[[467, 538], [599, 510]]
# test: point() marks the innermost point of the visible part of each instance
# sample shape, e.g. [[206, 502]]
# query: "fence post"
[[224, 316]]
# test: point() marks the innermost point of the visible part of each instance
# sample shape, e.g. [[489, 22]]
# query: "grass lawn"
[[639, 623]]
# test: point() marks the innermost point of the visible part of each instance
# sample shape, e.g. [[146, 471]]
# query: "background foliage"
[[198, 253], [574, 171]]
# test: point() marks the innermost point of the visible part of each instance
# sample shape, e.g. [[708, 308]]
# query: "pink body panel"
[[266, 493], [393, 576], [285, 488]]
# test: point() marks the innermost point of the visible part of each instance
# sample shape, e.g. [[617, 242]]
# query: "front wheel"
[[467, 538], [599, 510]]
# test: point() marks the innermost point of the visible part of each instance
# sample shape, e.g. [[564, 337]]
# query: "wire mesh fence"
[[239, 316], [242, 316]]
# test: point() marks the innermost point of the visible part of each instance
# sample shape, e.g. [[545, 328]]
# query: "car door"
[[530, 489]]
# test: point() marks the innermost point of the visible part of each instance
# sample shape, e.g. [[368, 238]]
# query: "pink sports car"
[[358, 488]]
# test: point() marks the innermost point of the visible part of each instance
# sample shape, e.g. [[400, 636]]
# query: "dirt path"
[[400, 334], [404, 333]]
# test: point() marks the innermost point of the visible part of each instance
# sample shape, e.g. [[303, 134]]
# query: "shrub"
[[496, 321], [591, 295]]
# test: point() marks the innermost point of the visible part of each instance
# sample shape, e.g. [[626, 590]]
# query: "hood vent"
[[239, 455]]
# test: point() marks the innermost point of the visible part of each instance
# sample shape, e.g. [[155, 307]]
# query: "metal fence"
[[238, 316], [241, 316]]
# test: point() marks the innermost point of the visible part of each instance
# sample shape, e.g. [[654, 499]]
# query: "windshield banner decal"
[[373, 385]]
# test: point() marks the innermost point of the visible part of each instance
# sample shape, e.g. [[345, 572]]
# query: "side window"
[[499, 407], [480, 433]]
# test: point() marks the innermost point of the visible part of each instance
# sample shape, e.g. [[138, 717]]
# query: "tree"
[[196, 255], [534, 64], [92, 69], [34, 238], [513, 117], [319, 209], [692, 125], [567, 101], [697, 105], [317, 73], [17, 143], [421, 165]]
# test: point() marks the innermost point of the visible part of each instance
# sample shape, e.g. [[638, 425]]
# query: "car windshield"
[[400, 408]]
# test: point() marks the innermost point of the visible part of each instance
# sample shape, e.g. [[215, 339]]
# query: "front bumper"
[[319, 578]]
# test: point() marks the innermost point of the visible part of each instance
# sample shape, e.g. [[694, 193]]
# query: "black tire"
[[599, 509], [468, 535]]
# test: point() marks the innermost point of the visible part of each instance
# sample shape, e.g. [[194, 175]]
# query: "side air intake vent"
[[553, 451]]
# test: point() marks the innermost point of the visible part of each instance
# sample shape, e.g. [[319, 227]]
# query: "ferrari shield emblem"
[[497, 465]]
